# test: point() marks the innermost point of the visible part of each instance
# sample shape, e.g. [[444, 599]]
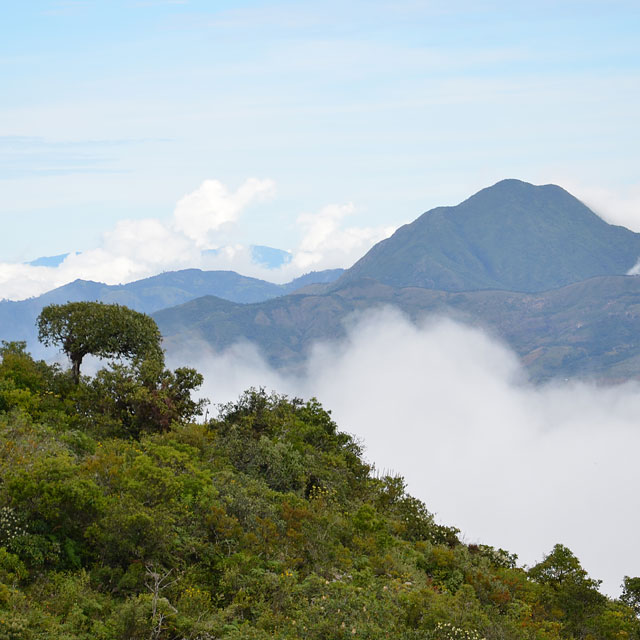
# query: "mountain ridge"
[[587, 329], [164, 290], [512, 235]]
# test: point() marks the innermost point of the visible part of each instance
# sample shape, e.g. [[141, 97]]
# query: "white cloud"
[[18, 281], [512, 465], [621, 207], [326, 244], [212, 205], [136, 249], [133, 249]]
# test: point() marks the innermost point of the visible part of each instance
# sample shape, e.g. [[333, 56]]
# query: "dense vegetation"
[[122, 518]]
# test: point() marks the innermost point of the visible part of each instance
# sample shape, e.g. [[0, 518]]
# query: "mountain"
[[531, 264], [269, 257], [587, 329], [17, 318], [513, 236], [48, 261]]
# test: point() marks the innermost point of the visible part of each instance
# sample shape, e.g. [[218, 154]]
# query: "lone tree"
[[102, 330]]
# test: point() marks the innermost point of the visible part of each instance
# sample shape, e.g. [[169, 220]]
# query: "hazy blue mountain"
[[269, 257], [513, 236], [48, 261], [17, 319], [587, 329]]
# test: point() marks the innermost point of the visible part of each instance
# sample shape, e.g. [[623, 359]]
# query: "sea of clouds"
[[447, 406]]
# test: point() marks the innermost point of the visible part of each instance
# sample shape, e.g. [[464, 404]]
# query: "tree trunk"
[[75, 368]]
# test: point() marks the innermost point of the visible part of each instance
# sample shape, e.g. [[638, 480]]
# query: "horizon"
[[312, 128], [45, 273]]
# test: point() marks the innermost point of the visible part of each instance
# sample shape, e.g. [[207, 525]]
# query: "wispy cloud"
[[66, 7], [621, 207], [28, 156]]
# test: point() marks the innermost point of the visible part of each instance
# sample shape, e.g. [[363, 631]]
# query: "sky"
[[142, 132]]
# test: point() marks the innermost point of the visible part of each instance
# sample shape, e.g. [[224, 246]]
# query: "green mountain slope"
[[512, 236]]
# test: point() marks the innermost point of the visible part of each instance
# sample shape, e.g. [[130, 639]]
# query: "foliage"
[[131, 400], [122, 518], [103, 330], [631, 593]]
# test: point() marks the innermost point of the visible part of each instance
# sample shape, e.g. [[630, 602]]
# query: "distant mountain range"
[[260, 254], [587, 329], [532, 264], [17, 319], [48, 261]]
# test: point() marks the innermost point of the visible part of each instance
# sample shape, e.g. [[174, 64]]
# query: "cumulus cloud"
[[136, 249], [326, 244], [212, 205], [447, 406], [18, 281], [132, 249]]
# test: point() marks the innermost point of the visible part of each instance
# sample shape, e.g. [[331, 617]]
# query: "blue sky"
[[362, 114]]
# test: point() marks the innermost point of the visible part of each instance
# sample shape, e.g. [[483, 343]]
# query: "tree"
[[631, 593], [102, 330], [573, 595], [131, 400]]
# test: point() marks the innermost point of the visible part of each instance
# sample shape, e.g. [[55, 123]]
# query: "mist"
[[448, 407]]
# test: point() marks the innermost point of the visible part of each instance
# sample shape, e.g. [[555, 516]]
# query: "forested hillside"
[[121, 517]]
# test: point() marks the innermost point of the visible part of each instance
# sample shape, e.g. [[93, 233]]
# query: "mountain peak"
[[511, 190], [512, 235]]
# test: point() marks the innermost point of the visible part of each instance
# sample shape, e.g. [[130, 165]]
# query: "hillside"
[[587, 329], [122, 518], [512, 236]]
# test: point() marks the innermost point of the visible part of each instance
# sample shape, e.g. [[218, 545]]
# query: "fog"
[[447, 406]]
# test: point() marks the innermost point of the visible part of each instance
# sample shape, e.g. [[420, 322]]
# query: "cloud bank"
[[447, 406], [196, 237]]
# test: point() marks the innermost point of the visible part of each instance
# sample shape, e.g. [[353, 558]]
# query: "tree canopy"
[[102, 330]]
